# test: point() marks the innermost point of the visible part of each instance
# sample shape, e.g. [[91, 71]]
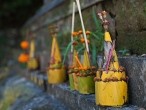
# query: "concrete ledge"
[[73, 99], [76, 101], [136, 71]]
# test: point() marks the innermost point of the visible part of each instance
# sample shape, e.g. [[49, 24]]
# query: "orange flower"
[[75, 34], [82, 40], [74, 43], [23, 58], [24, 44], [88, 32], [80, 32]]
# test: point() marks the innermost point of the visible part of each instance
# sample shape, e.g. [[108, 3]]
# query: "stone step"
[[21, 94], [77, 101], [44, 102], [73, 99]]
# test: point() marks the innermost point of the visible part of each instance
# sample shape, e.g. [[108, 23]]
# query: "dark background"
[[13, 14]]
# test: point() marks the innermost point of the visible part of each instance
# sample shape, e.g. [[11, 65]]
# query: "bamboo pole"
[[82, 23], [73, 21]]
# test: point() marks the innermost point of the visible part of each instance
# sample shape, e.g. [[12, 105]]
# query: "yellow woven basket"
[[86, 84], [32, 64], [71, 81], [112, 92], [56, 76]]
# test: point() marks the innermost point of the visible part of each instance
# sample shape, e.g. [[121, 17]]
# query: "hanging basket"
[[111, 88], [86, 84], [56, 76]]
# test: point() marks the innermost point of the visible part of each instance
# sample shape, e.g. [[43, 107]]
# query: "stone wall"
[[136, 71], [130, 18], [127, 22], [127, 25], [60, 15], [8, 44]]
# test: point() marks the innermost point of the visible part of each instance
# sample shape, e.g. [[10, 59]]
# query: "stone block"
[[136, 71], [77, 101]]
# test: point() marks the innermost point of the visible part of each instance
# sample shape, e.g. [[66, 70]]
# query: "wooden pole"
[[82, 23], [73, 22]]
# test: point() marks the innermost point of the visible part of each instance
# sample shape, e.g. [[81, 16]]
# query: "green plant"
[[96, 37], [124, 52]]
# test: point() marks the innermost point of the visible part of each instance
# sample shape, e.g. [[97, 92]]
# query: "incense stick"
[[73, 21], [110, 56], [82, 23]]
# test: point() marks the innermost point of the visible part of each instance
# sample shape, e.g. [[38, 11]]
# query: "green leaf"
[[66, 52], [96, 20]]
